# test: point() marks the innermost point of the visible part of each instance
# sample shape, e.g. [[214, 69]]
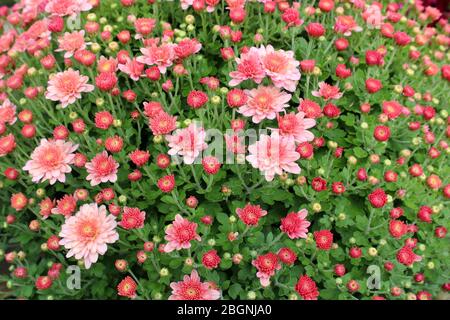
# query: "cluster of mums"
[[260, 88]]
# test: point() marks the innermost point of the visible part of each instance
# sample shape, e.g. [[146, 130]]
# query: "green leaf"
[[234, 290]]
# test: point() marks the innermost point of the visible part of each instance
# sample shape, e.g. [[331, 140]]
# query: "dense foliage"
[[116, 118]]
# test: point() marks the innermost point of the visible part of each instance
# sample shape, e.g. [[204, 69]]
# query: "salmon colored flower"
[[281, 66], [295, 125], [180, 234], [345, 25], [71, 42], [187, 142], [187, 47], [7, 144], [67, 7], [162, 123], [127, 287], [66, 87], [87, 234], [132, 218], [248, 67], [327, 92], [191, 288], [102, 168], [8, 112], [133, 68], [51, 161], [274, 154], [162, 56], [264, 103]]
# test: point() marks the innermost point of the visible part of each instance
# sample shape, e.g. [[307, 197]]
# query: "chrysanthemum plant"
[[209, 149]]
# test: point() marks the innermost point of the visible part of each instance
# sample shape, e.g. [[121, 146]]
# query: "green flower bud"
[[158, 139], [164, 272], [99, 102], [215, 100], [91, 17], [190, 19], [122, 198]]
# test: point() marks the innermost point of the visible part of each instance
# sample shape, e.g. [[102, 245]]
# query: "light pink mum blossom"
[[107, 64], [248, 67], [281, 66], [187, 47], [67, 7], [264, 103], [87, 233], [327, 92], [67, 86], [373, 16], [8, 112], [185, 4], [102, 168], [274, 154], [51, 161], [295, 224], [162, 56], [133, 68], [191, 288], [296, 125], [180, 234], [71, 42], [345, 25], [187, 142], [235, 143]]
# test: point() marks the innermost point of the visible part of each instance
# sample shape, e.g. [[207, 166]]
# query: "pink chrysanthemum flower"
[[180, 234], [133, 68], [187, 142], [373, 16], [264, 103], [191, 288], [187, 47], [67, 86], [102, 168], [295, 224], [266, 264], [345, 25], [250, 214], [162, 56], [107, 65], [67, 7], [185, 4], [132, 218], [162, 123], [296, 125], [88, 232], [248, 67], [71, 42], [281, 66], [274, 154], [144, 26], [65, 206], [51, 161], [235, 143], [8, 112], [327, 92]]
